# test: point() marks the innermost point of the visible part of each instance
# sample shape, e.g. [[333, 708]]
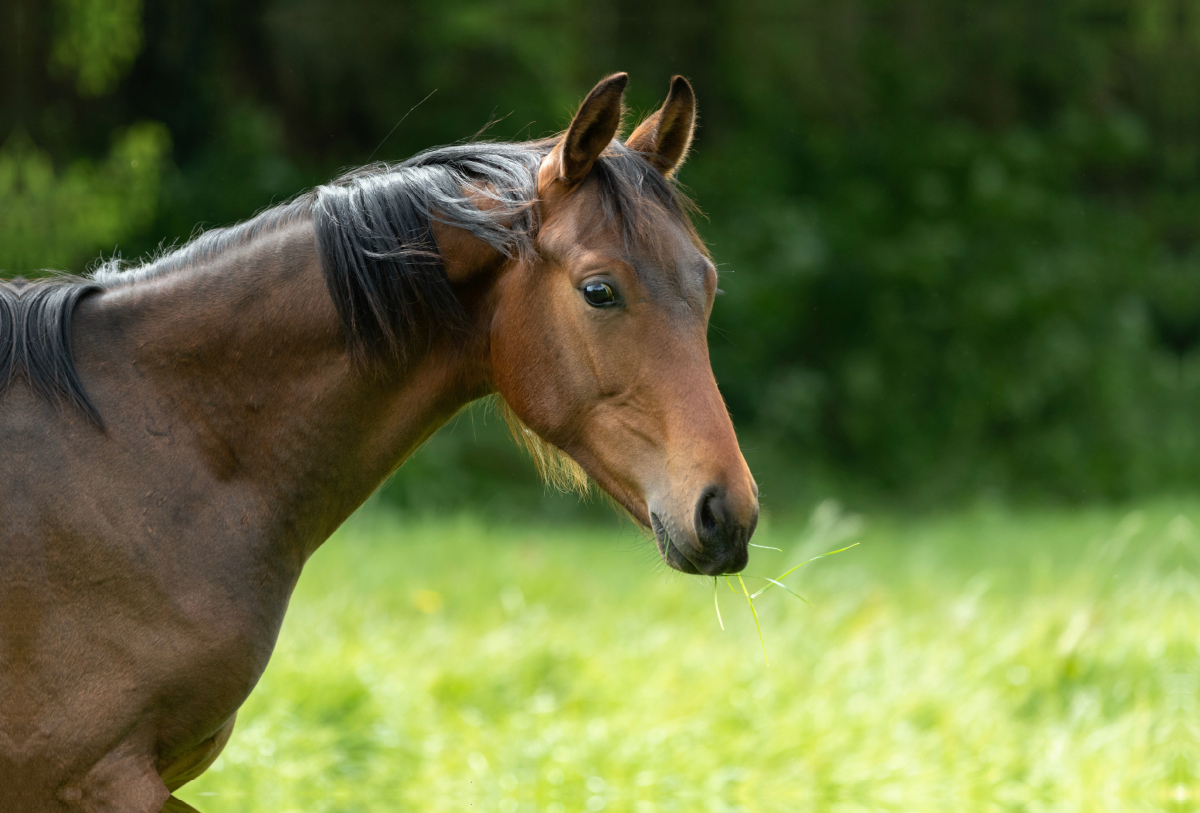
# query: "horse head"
[[599, 336]]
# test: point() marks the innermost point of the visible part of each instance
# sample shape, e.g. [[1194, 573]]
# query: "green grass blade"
[[785, 587], [839, 550], [802, 564], [764, 547], [819, 556], [717, 604], [754, 613], [757, 593]]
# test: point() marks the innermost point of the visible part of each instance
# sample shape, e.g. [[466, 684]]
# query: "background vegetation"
[[978, 661], [959, 251], [959, 247]]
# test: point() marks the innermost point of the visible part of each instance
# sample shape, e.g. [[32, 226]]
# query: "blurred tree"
[[95, 41], [57, 209], [52, 218]]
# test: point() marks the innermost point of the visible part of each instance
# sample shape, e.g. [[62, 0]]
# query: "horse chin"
[[669, 551]]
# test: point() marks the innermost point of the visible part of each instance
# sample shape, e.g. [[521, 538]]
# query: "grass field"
[[976, 661]]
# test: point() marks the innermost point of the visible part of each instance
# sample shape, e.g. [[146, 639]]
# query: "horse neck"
[[245, 356]]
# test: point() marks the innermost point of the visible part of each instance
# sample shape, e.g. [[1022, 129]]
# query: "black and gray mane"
[[35, 339], [374, 231]]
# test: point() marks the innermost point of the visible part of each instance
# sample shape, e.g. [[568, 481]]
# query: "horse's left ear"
[[664, 137]]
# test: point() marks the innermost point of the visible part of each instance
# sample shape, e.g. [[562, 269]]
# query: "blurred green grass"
[[981, 660]]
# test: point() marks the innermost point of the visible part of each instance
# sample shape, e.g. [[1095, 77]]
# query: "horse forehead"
[[576, 232], [661, 250]]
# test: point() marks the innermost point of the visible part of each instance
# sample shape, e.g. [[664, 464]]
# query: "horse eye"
[[600, 294]]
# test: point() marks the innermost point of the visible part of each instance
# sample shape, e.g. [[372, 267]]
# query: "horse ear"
[[592, 129], [664, 137]]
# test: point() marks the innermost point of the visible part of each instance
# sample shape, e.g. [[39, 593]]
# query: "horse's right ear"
[[591, 131]]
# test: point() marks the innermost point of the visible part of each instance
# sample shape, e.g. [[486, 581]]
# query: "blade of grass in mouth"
[[770, 583], [789, 572], [754, 613], [778, 584]]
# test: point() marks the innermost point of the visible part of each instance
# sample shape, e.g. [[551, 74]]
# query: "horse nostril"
[[710, 514]]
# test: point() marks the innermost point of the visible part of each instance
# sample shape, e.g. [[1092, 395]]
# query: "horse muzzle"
[[714, 539]]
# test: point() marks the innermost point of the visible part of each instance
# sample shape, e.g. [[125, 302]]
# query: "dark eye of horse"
[[600, 295]]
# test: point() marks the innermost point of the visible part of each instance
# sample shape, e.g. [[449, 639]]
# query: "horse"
[[178, 437]]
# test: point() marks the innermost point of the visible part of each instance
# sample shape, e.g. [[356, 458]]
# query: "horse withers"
[[177, 438]]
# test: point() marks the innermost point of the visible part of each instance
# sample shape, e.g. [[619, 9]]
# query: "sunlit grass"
[[979, 661]]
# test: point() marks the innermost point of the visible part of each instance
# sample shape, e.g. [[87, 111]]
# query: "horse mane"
[[378, 256], [375, 234], [35, 339], [374, 229]]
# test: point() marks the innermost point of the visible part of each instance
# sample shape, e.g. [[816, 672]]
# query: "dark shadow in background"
[[959, 249]]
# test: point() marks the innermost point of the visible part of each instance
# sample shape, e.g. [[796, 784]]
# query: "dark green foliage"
[[951, 283], [959, 248]]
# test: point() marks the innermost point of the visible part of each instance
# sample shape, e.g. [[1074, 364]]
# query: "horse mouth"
[[670, 553]]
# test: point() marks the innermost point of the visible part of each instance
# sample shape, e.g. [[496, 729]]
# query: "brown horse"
[[176, 439]]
